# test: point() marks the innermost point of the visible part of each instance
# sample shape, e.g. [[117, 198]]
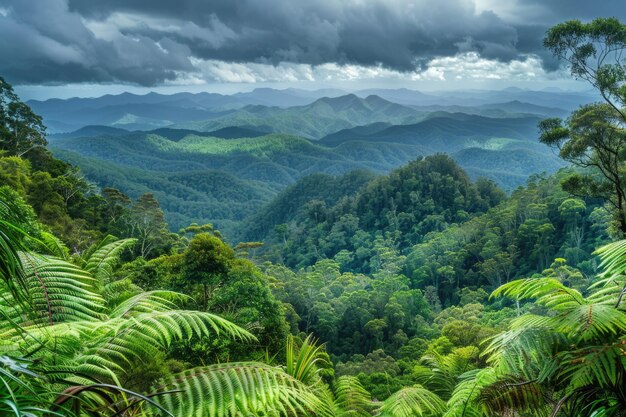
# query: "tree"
[[20, 128], [146, 222], [206, 262], [593, 136]]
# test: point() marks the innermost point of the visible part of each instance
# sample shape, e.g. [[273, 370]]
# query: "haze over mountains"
[[145, 112], [220, 158]]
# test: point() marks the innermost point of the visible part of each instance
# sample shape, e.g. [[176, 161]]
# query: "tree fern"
[[548, 292], [52, 245], [10, 243], [576, 349], [56, 290], [510, 394]]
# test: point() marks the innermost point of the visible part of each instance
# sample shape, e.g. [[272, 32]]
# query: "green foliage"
[[389, 213], [413, 401], [92, 350], [351, 398], [21, 130]]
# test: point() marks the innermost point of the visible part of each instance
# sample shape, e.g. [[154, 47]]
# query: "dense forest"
[[418, 292]]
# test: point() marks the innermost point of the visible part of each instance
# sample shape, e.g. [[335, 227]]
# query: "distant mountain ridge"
[[154, 110], [315, 120], [440, 130]]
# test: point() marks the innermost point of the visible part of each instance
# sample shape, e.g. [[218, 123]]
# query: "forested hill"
[[227, 175]]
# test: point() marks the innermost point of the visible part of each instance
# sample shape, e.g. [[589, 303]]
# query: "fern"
[[238, 389], [103, 258], [511, 395], [351, 398], [56, 290], [464, 399], [548, 292], [53, 246], [439, 373], [602, 366], [412, 401]]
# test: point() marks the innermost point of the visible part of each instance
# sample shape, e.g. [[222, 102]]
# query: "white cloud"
[[468, 66]]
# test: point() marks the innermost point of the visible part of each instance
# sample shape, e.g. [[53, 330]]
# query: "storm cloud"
[[151, 42]]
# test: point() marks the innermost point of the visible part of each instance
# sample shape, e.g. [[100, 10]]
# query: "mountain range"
[[224, 168], [153, 110]]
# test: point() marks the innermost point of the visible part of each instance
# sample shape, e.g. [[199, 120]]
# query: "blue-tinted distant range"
[[216, 107]]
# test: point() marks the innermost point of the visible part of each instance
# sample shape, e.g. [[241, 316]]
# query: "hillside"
[[441, 131], [315, 120]]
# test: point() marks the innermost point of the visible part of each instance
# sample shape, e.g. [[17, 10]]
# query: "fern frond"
[[412, 401], [590, 322], [511, 395], [60, 291], [147, 302], [613, 258], [54, 246], [90, 250], [463, 402], [147, 334], [106, 255], [351, 398], [599, 366], [548, 292], [238, 389], [525, 349], [439, 373]]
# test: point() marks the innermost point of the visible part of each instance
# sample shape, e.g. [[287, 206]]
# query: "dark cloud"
[[148, 42]]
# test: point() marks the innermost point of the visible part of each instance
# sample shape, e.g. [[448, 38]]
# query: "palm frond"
[[301, 361]]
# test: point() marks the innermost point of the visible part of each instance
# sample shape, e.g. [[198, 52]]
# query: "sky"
[[64, 48]]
